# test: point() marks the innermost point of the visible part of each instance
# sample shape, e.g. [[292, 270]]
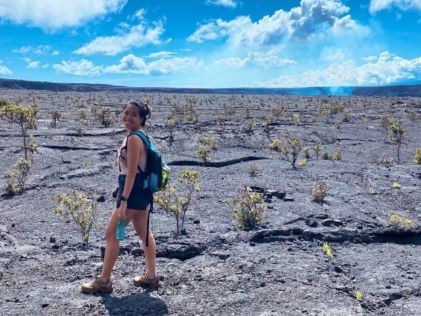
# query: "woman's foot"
[[97, 286], [144, 280]]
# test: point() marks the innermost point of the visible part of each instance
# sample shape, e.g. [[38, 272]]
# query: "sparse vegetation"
[[320, 190], [55, 118], [176, 198], [249, 210], [317, 148], [78, 207], [358, 295], [171, 125], [289, 149], [327, 250], [337, 155], [105, 116], [385, 160], [400, 220], [16, 179], [24, 116], [206, 145], [253, 170]]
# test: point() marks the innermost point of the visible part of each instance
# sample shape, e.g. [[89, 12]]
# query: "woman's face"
[[131, 117]]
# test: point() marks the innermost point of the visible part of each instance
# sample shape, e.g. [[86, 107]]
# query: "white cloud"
[[264, 60], [33, 64], [379, 5], [79, 68], [4, 70], [137, 65], [232, 62], [52, 15], [312, 19], [36, 50], [129, 64], [162, 54], [386, 69], [223, 3], [137, 36]]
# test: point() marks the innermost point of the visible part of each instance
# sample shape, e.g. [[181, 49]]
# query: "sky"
[[212, 43]]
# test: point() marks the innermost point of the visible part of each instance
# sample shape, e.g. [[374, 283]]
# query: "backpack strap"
[[143, 136], [147, 142]]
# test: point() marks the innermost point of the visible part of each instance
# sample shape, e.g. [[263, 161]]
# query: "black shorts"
[[139, 198]]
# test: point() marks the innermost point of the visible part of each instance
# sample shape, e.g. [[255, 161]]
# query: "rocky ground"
[[215, 268]]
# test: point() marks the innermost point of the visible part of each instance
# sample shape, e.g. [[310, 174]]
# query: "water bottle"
[[121, 229]]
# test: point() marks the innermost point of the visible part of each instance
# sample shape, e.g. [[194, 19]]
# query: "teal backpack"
[[157, 171]]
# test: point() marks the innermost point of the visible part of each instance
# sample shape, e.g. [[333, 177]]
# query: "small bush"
[[417, 157], [320, 190], [79, 208], [337, 155], [400, 220], [358, 295], [317, 148], [302, 163], [105, 116], [16, 179], [327, 250], [83, 117], [249, 211], [253, 170], [277, 111], [208, 141], [171, 125], [24, 116], [385, 160], [396, 185], [296, 119], [176, 198], [289, 149], [55, 118]]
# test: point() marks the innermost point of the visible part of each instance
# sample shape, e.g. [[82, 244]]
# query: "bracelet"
[[123, 198]]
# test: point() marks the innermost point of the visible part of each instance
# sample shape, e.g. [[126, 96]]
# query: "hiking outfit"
[[140, 198]]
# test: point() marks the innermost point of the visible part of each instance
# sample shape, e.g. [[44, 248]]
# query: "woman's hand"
[[122, 210]]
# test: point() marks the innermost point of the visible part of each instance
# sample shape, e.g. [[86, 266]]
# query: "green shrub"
[[327, 250], [400, 220], [249, 211], [176, 198], [16, 179], [77, 206], [289, 149], [24, 116]]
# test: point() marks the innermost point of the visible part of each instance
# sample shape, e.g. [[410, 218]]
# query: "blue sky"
[[212, 43]]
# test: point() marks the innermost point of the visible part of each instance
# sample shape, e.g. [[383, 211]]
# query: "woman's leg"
[[112, 249], [140, 221]]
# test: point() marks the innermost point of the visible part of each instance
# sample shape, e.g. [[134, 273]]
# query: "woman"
[[132, 203]]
